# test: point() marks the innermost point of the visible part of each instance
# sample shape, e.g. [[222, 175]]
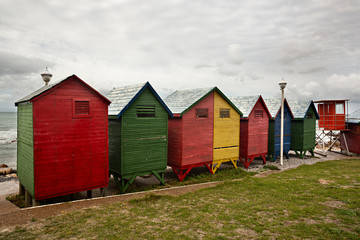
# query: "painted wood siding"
[[309, 130], [71, 152], [275, 132], [198, 134], [144, 139], [297, 134], [115, 144], [244, 137], [175, 134], [258, 130], [226, 130], [25, 147], [352, 138]]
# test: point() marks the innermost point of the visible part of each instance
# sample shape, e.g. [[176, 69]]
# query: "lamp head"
[[282, 84], [46, 76]]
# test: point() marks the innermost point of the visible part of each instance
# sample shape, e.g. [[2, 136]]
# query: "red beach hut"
[[254, 128], [62, 139]]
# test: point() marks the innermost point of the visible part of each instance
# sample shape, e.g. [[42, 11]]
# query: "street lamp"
[[282, 85], [46, 76]]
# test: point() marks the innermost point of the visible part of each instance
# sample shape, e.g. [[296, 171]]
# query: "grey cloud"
[[292, 52], [11, 63]]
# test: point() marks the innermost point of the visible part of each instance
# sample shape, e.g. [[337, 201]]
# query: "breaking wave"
[[8, 136]]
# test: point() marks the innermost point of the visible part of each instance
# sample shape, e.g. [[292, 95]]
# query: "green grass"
[[320, 201], [198, 177]]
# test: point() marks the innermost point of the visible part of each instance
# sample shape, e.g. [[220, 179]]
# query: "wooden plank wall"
[[226, 130], [144, 140], [198, 134], [25, 146], [71, 152]]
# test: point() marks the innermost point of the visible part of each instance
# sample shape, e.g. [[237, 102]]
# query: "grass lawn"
[[320, 201]]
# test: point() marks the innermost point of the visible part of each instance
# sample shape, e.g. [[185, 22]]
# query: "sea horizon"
[[8, 137]]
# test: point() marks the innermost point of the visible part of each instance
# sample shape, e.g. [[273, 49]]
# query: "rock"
[[3, 165], [4, 171]]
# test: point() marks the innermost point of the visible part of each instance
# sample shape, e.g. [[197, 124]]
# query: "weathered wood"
[[21, 189], [35, 203], [28, 199]]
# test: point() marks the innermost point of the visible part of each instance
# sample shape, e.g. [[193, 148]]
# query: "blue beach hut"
[[274, 106]]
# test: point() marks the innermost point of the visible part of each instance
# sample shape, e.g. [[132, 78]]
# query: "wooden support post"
[[27, 199], [102, 192], [21, 189], [89, 194], [35, 203], [71, 197]]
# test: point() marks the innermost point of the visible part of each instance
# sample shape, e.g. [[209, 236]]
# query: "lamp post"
[[282, 85]]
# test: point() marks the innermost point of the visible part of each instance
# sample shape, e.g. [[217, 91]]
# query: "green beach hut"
[[303, 127], [138, 130]]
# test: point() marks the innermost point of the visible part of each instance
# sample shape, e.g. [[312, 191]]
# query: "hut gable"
[[274, 106], [51, 87], [246, 104], [301, 108], [182, 100], [123, 97]]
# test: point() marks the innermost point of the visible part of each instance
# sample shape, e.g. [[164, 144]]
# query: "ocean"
[[8, 138]]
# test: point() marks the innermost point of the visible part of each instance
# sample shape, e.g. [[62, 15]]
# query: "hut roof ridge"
[[122, 97], [181, 100], [245, 103]]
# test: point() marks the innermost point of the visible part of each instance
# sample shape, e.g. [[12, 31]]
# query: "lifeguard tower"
[[332, 123]]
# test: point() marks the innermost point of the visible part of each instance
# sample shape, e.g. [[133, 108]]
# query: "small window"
[[82, 108], [201, 112], [259, 113], [339, 108], [224, 112], [309, 115], [144, 111]]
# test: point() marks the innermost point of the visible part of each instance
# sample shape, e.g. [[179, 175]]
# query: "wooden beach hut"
[[62, 145], [332, 114], [254, 128], [274, 106], [138, 122], [303, 127], [203, 132], [350, 139]]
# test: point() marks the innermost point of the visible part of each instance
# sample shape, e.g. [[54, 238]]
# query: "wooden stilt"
[[35, 203], [21, 189], [102, 192], [89, 194], [71, 197], [27, 199]]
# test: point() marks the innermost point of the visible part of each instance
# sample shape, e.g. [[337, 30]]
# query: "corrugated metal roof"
[[354, 117], [299, 108], [181, 100], [245, 103], [120, 97], [38, 92]]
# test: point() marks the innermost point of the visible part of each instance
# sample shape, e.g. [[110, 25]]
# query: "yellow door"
[[226, 132]]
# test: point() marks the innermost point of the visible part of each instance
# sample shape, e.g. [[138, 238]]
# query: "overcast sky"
[[243, 47]]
